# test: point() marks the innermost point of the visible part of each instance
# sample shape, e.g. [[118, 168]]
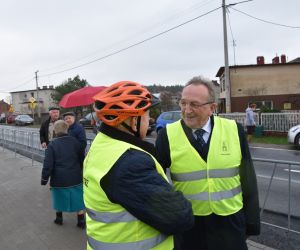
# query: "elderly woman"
[[62, 165], [76, 130]]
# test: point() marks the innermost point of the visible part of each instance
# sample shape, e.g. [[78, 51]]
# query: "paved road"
[[275, 152]]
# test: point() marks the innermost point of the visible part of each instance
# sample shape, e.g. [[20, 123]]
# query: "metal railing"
[[275, 165], [25, 142], [279, 122]]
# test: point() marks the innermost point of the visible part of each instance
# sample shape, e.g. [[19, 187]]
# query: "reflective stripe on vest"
[[107, 217], [198, 175], [216, 196], [140, 245]]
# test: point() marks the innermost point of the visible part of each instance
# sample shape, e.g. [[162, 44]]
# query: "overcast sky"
[[53, 36]]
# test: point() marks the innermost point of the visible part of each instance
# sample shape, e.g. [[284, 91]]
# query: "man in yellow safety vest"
[[210, 163]]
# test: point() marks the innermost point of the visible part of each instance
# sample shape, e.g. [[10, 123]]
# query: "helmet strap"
[[138, 125]]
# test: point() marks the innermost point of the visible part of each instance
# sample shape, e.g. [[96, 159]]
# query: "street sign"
[[32, 99], [11, 109], [32, 105]]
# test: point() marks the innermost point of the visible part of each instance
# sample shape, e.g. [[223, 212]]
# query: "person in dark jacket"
[[210, 162], [77, 131], [129, 202], [62, 166], [46, 129]]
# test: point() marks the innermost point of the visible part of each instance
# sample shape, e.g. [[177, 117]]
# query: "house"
[[216, 87], [4, 109], [275, 85], [21, 100]]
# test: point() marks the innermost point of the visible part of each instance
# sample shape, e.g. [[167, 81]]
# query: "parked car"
[[23, 120], [294, 136], [11, 118], [167, 117], [87, 120]]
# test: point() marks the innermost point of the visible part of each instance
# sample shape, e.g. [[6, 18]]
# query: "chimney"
[[260, 60], [275, 60], [283, 58]]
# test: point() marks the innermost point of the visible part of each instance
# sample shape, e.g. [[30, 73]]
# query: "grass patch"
[[279, 140]]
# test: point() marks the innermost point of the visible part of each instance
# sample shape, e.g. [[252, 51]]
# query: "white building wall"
[[20, 100]]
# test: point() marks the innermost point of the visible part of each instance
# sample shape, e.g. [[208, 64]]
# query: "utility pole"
[[37, 96], [226, 71]]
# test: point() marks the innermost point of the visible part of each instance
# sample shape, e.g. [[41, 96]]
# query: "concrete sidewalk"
[[26, 215]]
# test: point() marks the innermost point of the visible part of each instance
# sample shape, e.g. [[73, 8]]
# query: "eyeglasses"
[[193, 105]]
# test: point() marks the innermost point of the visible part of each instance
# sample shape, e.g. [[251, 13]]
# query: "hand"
[[44, 145]]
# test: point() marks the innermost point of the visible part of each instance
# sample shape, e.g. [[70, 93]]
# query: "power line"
[[133, 45], [265, 21], [195, 6], [176, 15], [231, 4], [22, 84]]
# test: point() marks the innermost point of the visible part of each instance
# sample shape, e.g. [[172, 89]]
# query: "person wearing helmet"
[[129, 202]]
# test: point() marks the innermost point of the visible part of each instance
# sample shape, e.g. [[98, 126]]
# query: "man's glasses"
[[193, 105]]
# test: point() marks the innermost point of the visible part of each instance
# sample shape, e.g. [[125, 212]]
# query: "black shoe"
[[58, 221], [81, 224], [80, 221], [59, 218]]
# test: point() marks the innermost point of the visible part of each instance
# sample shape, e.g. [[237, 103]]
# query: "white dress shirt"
[[206, 128]]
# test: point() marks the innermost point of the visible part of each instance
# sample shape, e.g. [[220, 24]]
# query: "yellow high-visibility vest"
[[213, 186], [109, 225]]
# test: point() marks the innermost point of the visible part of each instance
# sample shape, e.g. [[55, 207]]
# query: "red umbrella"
[[80, 97]]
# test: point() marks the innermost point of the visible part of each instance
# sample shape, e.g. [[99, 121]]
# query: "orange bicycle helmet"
[[121, 100]]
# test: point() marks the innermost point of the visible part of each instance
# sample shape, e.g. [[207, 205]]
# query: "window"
[[167, 116], [176, 116], [287, 105], [222, 84], [259, 104]]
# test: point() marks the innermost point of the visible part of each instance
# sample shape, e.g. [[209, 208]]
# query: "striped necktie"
[[199, 133]]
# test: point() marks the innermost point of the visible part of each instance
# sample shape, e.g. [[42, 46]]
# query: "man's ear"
[[133, 123], [213, 107]]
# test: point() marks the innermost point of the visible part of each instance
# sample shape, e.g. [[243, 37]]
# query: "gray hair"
[[198, 80], [60, 127]]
